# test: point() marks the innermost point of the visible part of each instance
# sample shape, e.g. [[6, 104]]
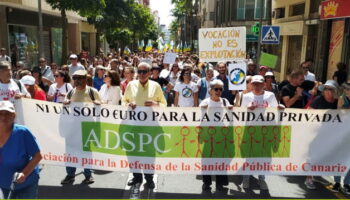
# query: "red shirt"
[[40, 95], [123, 85]]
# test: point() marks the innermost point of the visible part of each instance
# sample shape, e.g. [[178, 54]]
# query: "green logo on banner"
[[188, 142]]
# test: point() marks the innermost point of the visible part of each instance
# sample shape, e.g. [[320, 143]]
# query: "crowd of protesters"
[[115, 80]]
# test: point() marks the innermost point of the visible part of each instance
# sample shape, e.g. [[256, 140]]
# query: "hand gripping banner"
[[190, 140]]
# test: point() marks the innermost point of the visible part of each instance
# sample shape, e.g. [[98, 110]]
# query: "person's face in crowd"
[[143, 74], [268, 79], [305, 67], [222, 69], [251, 68], [249, 85], [175, 68], [5, 74], [58, 78], [100, 62], [114, 65], [74, 61], [209, 74], [107, 79], [2, 52], [299, 80], [128, 75], [155, 73], [262, 71], [258, 87], [42, 62], [100, 72], [216, 91], [29, 87], [187, 76], [6, 118], [53, 68], [36, 75], [347, 91], [79, 81], [329, 94]]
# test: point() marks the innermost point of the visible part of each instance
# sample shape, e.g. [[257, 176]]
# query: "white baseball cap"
[[73, 56], [28, 80], [269, 74], [7, 106], [258, 79]]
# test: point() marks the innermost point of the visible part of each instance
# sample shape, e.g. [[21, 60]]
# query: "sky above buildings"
[[164, 7]]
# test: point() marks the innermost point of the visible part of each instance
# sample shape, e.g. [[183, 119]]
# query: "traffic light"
[[256, 28]]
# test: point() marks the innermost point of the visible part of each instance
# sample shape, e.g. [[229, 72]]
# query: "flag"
[[141, 45], [187, 48], [127, 51], [149, 46]]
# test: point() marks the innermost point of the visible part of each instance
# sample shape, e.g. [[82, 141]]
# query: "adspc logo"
[[331, 9]]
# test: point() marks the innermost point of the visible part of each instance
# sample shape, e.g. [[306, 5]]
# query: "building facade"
[[302, 35], [19, 32]]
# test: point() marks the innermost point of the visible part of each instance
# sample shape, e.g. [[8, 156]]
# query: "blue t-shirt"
[[98, 82], [19, 149]]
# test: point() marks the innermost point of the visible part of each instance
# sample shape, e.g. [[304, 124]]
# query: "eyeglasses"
[[56, 76], [142, 71], [218, 89], [78, 78], [187, 74], [268, 76]]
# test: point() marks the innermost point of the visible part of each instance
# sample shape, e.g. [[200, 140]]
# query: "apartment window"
[[249, 9], [279, 13], [298, 9], [233, 7], [260, 11], [241, 9]]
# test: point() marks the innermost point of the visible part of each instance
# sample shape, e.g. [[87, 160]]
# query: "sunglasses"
[[218, 89], [187, 74], [76, 78], [268, 76], [142, 71], [56, 76]]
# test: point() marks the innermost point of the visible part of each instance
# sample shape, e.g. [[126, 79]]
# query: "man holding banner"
[[143, 92]]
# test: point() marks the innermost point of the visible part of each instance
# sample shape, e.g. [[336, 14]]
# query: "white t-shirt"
[[215, 104], [310, 77], [186, 92], [111, 95], [9, 90], [54, 91], [47, 73], [73, 69], [265, 100]]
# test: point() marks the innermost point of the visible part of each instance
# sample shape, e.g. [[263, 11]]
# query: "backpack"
[[91, 94], [18, 84]]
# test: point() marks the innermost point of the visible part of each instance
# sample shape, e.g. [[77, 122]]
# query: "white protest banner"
[[169, 58], [222, 44], [237, 76], [190, 140]]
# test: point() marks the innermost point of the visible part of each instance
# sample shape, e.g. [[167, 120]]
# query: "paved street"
[[113, 185]]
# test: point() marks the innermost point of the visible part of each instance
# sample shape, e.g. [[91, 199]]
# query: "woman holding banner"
[[215, 100], [19, 157]]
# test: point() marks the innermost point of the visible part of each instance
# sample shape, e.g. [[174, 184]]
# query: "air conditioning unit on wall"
[[278, 13]]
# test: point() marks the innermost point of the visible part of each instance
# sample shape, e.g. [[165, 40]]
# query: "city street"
[[114, 185]]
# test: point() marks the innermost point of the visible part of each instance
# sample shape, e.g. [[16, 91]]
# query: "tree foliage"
[[85, 8], [125, 20]]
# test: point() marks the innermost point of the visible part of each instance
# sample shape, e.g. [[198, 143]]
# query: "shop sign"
[[332, 9]]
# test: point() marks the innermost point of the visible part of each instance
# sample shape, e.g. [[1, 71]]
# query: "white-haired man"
[[143, 92]]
